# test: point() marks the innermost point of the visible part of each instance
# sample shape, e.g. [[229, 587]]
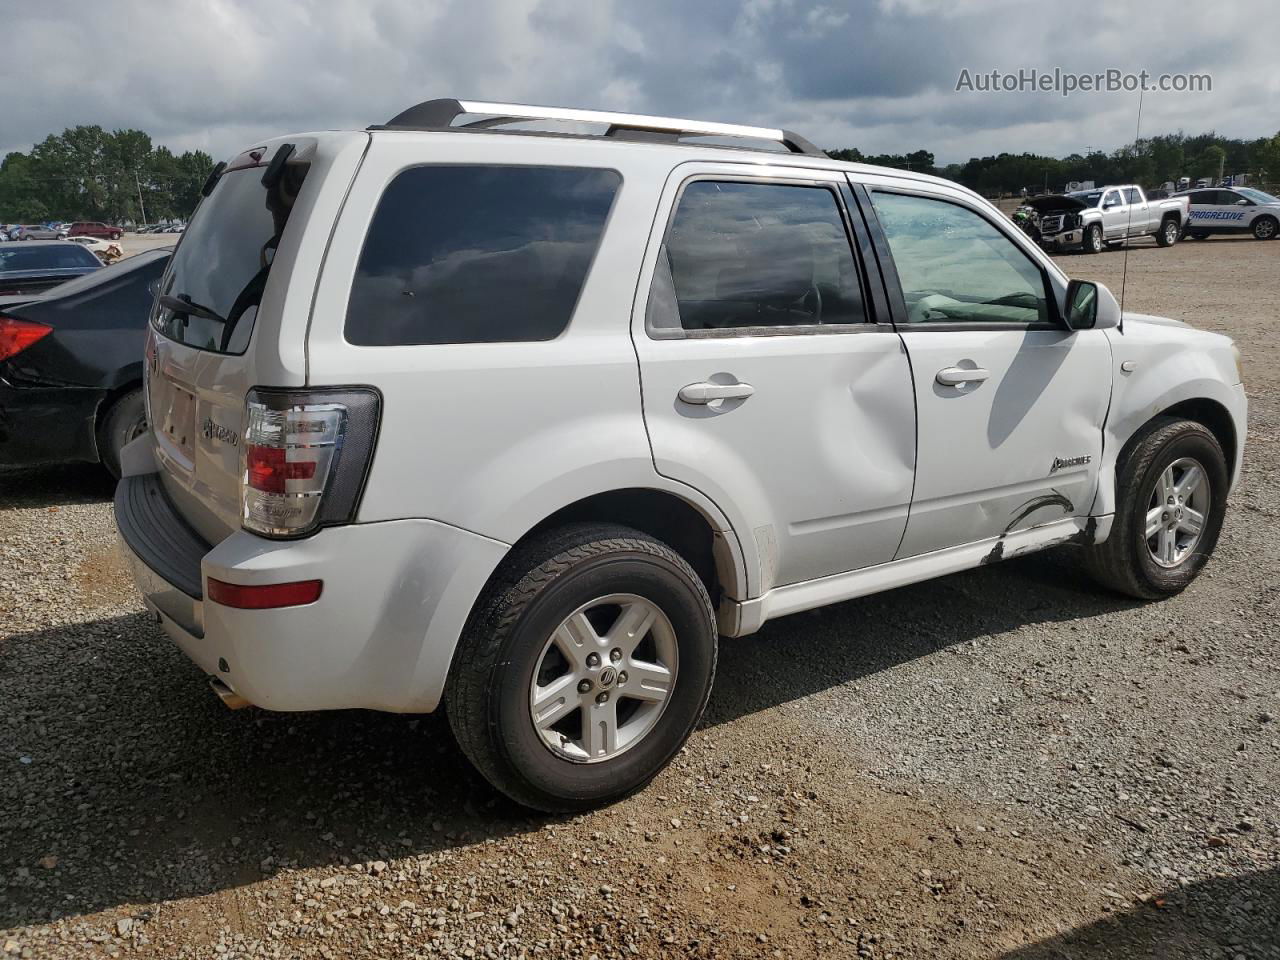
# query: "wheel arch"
[[1216, 418], [1214, 415], [110, 397], [694, 530]]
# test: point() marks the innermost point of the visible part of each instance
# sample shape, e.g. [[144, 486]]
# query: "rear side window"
[[54, 256], [478, 254], [744, 256]]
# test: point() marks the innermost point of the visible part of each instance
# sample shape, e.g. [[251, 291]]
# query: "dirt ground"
[[1003, 763]]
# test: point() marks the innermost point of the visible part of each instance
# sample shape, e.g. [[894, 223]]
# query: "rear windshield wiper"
[[184, 305]]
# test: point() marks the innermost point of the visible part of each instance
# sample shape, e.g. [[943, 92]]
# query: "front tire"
[[1171, 498], [1093, 239], [584, 668], [1265, 228]]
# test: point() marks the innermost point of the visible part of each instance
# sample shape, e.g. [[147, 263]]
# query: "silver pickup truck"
[[1089, 220]]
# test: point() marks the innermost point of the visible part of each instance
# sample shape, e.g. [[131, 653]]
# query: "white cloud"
[[876, 74]]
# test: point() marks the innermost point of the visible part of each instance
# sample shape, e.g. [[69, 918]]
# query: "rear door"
[[1140, 220], [250, 258], [1010, 402], [767, 383]]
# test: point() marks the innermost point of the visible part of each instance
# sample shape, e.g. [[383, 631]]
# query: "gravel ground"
[[1003, 763]]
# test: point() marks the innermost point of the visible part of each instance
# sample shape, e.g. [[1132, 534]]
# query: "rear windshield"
[[224, 258], [53, 257], [478, 254]]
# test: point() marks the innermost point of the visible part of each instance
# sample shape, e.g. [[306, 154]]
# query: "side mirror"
[[1090, 306], [1242, 202]]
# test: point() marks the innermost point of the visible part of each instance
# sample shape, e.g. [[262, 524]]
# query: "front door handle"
[[954, 376], [706, 392]]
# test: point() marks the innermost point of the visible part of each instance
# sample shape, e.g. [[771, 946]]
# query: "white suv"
[[450, 411]]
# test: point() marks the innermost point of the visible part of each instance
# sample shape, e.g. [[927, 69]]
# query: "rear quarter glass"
[[478, 254]]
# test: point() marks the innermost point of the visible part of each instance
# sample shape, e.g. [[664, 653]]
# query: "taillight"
[[16, 335], [305, 457]]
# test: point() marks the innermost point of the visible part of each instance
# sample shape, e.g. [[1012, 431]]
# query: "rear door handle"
[[954, 376], [706, 392]]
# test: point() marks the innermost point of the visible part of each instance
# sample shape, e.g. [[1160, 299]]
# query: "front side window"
[[955, 266], [1257, 196], [741, 256], [478, 254]]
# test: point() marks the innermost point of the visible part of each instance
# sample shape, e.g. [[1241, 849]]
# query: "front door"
[[1010, 402], [1115, 215], [767, 384]]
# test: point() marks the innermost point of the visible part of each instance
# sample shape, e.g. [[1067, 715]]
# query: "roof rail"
[[437, 114]]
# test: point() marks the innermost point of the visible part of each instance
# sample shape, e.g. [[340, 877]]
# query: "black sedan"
[[71, 365], [41, 264]]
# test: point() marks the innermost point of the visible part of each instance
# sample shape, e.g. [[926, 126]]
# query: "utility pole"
[[141, 206]]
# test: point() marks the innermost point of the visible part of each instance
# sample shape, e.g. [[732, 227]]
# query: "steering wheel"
[[813, 295]]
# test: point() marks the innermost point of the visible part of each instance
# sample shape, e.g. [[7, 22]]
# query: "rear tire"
[[124, 421], [556, 605], [1168, 234], [1093, 240], [1265, 228], [1133, 560]]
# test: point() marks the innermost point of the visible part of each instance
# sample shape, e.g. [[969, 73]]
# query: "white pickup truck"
[[1090, 220], [450, 413]]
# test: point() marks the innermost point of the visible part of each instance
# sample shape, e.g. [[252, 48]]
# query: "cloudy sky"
[[877, 74]]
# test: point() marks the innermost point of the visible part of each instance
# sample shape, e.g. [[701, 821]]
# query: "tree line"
[[88, 173], [1149, 161]]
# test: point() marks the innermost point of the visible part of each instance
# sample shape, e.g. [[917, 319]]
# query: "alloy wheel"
[[604, 678], [1177, 511]]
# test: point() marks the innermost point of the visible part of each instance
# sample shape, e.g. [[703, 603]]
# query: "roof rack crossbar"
[[441, 113]]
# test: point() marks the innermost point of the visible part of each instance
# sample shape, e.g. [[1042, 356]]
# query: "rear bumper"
[[47, 424], [396, 597]]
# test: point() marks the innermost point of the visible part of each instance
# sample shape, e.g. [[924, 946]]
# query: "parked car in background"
[[1090, 220], [1233, 210], [94, 228], [457, 418], [106, 251], [71, 365], [35, 231], [41, 264]]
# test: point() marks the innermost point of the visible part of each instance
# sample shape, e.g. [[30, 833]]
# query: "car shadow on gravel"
[[54, 486], [1223, 917], [803, 654], [127, 782]]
